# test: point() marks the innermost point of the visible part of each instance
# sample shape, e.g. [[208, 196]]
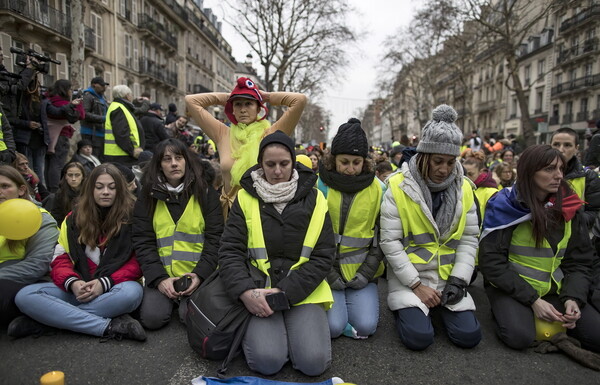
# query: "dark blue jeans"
[[416, 331]]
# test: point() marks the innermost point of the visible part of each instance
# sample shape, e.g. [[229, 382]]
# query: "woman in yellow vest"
[[238, 143], [124, 138], [94, 269], [26, 261], [483, 181], [279, 222], [176, 230], [536, 256], [353, 195], [584, 182], [429, 229]]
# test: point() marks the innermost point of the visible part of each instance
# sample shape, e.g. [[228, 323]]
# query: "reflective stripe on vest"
[[2, 144], [19, 249], [578, 185], [111, 147], [539, 266], [420, 239], [179, 245], [359, 228], [257, 250]]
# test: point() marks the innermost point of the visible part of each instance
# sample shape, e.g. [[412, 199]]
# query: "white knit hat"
[[440, 135]]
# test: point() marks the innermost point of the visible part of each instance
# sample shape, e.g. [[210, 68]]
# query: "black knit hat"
[[279, 137], [83, 142], [350, 139]]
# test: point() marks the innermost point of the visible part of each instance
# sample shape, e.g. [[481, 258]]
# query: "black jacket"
[[576, 264], [122, 131], [154, 130], [144, 237], [95, 114], [574, 170], [284, 234]]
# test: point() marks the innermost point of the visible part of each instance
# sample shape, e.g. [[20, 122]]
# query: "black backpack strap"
[[235, 346]]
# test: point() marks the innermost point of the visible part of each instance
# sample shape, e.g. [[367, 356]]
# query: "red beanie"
[[245, 88]]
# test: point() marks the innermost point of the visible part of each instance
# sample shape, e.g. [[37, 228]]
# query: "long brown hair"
[[15, 176], [62, 196], [533, 159], [88, 216]]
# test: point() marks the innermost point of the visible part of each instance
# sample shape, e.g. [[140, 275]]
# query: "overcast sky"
[[376, 19]]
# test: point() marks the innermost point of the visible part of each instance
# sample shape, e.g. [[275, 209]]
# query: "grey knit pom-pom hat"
[[440, 135]]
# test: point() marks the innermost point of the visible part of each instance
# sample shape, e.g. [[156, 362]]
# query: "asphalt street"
[[166, 358]]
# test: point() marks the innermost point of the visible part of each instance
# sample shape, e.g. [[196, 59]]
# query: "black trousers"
[[8, 309], [515, 323]]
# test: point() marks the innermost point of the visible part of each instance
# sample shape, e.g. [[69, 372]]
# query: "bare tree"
[[506, 24], [78, 44], [315, 123], [300, 43]]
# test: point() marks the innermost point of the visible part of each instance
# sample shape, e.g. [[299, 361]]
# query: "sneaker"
[[125, 326], [24, 326]]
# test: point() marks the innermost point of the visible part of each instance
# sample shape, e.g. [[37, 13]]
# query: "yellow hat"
[[305, 160]]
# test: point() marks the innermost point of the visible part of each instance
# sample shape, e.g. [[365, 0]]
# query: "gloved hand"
[[455, 290], [358, 282], [338, 284]]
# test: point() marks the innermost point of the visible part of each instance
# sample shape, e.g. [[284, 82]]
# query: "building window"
[[555, 110], [96, 23], [569, 108], [583, 105], [527, 74], [588, 70], [541, 69], [539, 101]]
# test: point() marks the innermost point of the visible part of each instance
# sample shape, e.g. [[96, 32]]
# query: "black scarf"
[[115, 254], [345, 183]]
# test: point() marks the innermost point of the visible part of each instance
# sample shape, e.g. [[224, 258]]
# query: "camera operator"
[[7, 142], [24, 112]]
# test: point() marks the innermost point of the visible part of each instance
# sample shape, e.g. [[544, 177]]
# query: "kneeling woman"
[[281, 221], [176, 232], [94, 269], [536, 256], [354, 196], [429, 229]]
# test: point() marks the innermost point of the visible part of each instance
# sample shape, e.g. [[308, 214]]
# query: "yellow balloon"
[[19, 219], [545, 330], [305, 160]]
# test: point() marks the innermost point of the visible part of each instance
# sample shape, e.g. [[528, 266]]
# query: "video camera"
[[42, 65]]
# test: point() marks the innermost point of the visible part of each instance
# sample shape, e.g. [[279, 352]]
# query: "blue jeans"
[[50, 305], [360, 308], [36, 158], [416, 331], [299, 334]]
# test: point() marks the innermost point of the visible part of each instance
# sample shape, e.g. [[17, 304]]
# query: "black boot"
[[23, 326], [125, 326]]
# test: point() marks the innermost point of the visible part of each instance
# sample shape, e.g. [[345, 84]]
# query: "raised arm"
[[295, 103], [196, 108]]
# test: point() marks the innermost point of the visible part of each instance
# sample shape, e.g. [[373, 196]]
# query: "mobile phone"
[[277, 301], [182, 284]]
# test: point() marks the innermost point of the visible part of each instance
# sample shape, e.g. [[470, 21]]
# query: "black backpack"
[[215, 323]]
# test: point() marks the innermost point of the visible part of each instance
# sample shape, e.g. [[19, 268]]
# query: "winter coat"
[[576, 264], [402, 273], [154, 130], [592, 156], [144, 237], [95, 107], [284, 235], [574, 170]]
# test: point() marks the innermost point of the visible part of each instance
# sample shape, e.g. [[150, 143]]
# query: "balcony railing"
[[147, 22], [553, 120], [150, 68], [581, 17], [582, 116], [196, 20], [567, 118], [586, 81], [90, 38], [590, 45], [178, 9], [41, 14], [537, 111]]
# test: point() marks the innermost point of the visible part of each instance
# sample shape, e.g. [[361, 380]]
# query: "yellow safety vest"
[[420, 240], [578, 186], [111, 147], [483, 194], [2, 144], [179, 244], [359, 229], [539, 266], [258, 252], [19, 249]]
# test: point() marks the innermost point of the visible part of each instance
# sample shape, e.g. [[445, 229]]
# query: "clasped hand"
[[546, 312], [87, 291]]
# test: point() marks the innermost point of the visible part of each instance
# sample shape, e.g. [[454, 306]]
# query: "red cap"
[[245, 88]]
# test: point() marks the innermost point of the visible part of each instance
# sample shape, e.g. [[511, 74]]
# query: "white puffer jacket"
[[402, 273]]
